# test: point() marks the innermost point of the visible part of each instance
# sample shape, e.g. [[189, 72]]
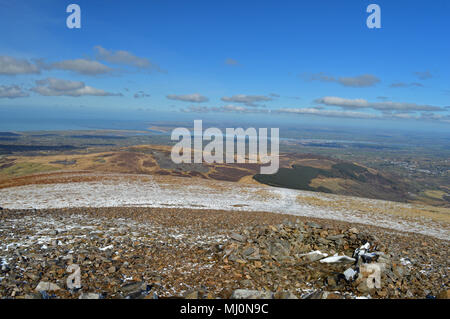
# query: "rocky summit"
[[156, 253]]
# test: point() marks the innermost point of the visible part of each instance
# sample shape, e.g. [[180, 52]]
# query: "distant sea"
[[27, 125]]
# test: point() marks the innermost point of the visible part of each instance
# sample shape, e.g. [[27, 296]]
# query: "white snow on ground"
[[228, 196]]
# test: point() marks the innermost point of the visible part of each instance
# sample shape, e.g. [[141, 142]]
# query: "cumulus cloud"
[[319, 111], [364, 80], [435, 117], [405, 85], [327, 113], [13, 66], [380, 106], [360, 81], [428, 116], [306, 111], [11, 92], [223, 109], [249, 100], [127, 58], [423, 75], [193, 98], [81, 66], [59, 87]]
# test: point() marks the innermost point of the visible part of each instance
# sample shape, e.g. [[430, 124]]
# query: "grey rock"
[[191, 295], [285, 295], [47, 286], [248, 251], [237, 237], [335, 237], [314, 225], [277, 249], [251, 294], [314, 295], [89, 295], [134, 287], [315, 256]]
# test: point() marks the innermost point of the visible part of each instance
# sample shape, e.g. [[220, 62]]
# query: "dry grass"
[[435, 194], [439, 214], [336, 185]]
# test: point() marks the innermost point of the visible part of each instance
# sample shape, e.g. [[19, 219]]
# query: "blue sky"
[[231, 59]]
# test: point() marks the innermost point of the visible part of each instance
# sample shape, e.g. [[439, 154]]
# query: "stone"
[[191, 295], [335, 237], [331, 281], [314, 225], [314, 255], [400, 271], [383, 257], [47, 286], [254, 255], [331, 295], [134, 287], [285, 295], [277, 249], [363, 287], [251, 294], [248, 251], [314, 295], [237, 237], [32, 276], [89, 295], [147, 253]]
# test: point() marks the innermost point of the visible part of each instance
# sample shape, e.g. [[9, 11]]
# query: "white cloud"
[[125, 58], [230, 108], [59, 87], [249, 100], [406, 85], [380, 106], [12, 92], [328, 113], [319, 111], [364, 80], [193, 98], [82, 66], [13, 66], [423, 75]]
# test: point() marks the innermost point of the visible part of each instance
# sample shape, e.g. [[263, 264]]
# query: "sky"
[[275, 60]]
